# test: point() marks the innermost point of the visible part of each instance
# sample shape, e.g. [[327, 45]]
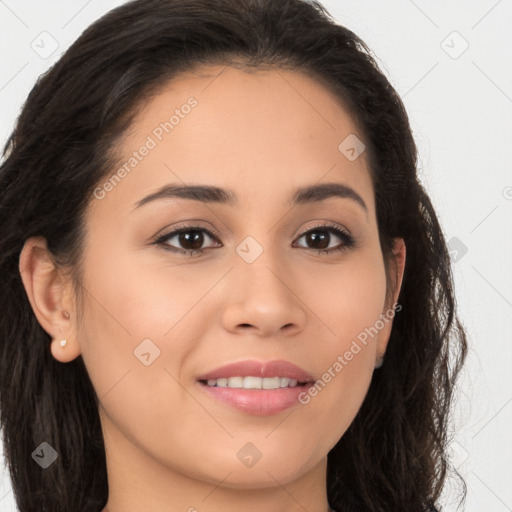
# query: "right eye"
[[190, 237]]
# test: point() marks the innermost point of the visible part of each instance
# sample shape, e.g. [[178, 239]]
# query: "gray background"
[[460, 105]]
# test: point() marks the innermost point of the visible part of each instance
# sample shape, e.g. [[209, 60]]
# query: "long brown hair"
[[393, 456]]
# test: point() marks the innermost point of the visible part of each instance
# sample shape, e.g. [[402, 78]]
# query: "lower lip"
[[260, 402]]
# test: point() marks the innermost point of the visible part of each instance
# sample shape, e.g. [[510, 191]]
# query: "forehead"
[[253, 99], [262, 133]]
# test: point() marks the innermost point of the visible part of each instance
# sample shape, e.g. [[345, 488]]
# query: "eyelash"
[[348, 240]]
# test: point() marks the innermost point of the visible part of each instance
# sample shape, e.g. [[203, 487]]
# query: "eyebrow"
[[212, 194]]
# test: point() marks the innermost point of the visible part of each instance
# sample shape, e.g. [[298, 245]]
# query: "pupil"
[[315, 237], [192, 244]]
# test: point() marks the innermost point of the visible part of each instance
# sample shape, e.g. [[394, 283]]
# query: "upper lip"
[[277, 368]]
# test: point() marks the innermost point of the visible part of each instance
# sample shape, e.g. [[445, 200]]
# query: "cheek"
[[347, 298], [139, 298], [134, 314], [349, 301]]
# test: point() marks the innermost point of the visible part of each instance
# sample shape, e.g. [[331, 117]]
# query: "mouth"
[[253, 382], [257, 388]]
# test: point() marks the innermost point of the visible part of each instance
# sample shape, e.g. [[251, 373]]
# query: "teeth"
[[251, 382], [270, 383], [235, 382]]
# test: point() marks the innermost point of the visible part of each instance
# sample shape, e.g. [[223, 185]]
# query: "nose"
[[264, 299]]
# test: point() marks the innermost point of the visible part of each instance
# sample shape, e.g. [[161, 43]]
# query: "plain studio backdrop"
[[450, 62]]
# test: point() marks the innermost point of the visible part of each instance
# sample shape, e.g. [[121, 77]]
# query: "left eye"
[[325, 235]]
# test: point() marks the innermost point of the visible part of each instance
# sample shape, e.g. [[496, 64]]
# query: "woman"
[[224, 285]]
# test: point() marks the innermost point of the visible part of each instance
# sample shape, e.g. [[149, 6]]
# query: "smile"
[[251, 382]]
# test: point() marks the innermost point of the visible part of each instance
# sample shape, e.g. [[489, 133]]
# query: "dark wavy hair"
[[393, 457]]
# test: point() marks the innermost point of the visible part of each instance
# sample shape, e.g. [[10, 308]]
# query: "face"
[[257, 278]]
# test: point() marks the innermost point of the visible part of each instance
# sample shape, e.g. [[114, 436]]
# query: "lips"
[[278, 368], [259, 402]]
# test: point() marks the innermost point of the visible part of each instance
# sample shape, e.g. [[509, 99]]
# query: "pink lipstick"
[[256, 387]]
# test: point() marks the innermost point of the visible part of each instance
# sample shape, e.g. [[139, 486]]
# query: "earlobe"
[[63, 350], [49, 294]]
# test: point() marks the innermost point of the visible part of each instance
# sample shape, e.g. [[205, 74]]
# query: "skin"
[[170, 446]]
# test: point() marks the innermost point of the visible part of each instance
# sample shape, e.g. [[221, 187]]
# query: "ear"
[[49, 291], [397, 267]]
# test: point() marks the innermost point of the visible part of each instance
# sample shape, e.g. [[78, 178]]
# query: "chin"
[[277, 468]]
